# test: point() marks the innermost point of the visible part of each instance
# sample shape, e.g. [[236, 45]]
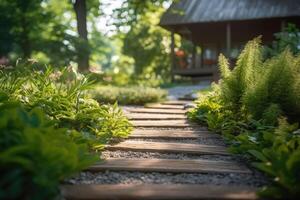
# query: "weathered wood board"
[[157, 192], [164, 123], [157, 111], [166, 147], [169, 165], [175, 102], [153, 116], [172, 134], [162, 106]]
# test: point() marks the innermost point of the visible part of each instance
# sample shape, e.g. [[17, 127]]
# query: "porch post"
[[172, 55], [282, 25], [228, 39], [194, 56]]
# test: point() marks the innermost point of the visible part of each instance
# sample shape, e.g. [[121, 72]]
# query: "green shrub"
[[275, 151], [61, 95], [35, 155], [208, 109], [253, 85], [245, 108], [281, 160], [277, 84], [134, 95], [289, 37], [48, 125], [236, 82]]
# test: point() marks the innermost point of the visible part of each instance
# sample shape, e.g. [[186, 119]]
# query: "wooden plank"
[[153, 116], [163, 123], [176, 102], [172, 134], [169, 165], [157, 192], [166, 147], [157, 111], [161, 106]]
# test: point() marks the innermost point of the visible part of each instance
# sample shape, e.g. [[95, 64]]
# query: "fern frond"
[[243, 76], [249, 63], [224, 66], [278, 84]]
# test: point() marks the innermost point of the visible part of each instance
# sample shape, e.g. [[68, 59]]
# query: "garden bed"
[[256, 108], [49, 130]]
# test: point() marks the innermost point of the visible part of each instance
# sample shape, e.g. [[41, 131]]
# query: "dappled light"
[[149, 99]]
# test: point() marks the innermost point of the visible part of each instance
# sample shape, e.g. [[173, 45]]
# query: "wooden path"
[[169, 165], [164, 123], [155, 191]]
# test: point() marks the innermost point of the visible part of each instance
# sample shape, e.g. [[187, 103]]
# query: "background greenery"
[[46, 30], [134, 95]]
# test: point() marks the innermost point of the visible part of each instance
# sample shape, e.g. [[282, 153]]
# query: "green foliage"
[[44, 30], [271, 114], [133, 95], [48, 126], [152, 52], [224, 66], [35, 155], [235, 83], [134, 9], [276, 84], [281, 160], [27, 19], [245, 108], [207, 106], [210, 111], [61, 95], [144, 41], [255, 87], [6, 38], [289, 37]]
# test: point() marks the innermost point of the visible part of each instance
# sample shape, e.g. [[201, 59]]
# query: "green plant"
[[235, 83], [277, 84], [134, 95], [245, 108], [35, 155], [281, 161], [62, 96], [208, 106], [289, 37]]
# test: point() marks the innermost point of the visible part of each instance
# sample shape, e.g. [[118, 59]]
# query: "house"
[[222, 26]]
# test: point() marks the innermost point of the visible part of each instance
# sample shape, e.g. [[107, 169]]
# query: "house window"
[[210, 56]]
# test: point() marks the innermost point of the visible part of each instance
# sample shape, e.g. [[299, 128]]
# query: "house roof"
[[205, 11]]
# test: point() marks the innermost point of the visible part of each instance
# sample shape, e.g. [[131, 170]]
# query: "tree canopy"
[[60, 33]]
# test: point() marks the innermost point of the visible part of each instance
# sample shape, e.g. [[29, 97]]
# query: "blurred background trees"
[[74, 32], [119, 40]]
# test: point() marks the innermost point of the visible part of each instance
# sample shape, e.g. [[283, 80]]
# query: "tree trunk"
[[25, 42], [82, 47]]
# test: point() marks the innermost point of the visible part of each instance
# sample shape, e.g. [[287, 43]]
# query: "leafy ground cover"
[[256, 106], [49, 130], [132, 95]]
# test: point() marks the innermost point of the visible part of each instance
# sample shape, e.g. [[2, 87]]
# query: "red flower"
[[180, 53]]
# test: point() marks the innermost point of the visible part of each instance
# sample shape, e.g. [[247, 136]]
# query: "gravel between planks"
[[153, 155], [207, 141], [124, 177]]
